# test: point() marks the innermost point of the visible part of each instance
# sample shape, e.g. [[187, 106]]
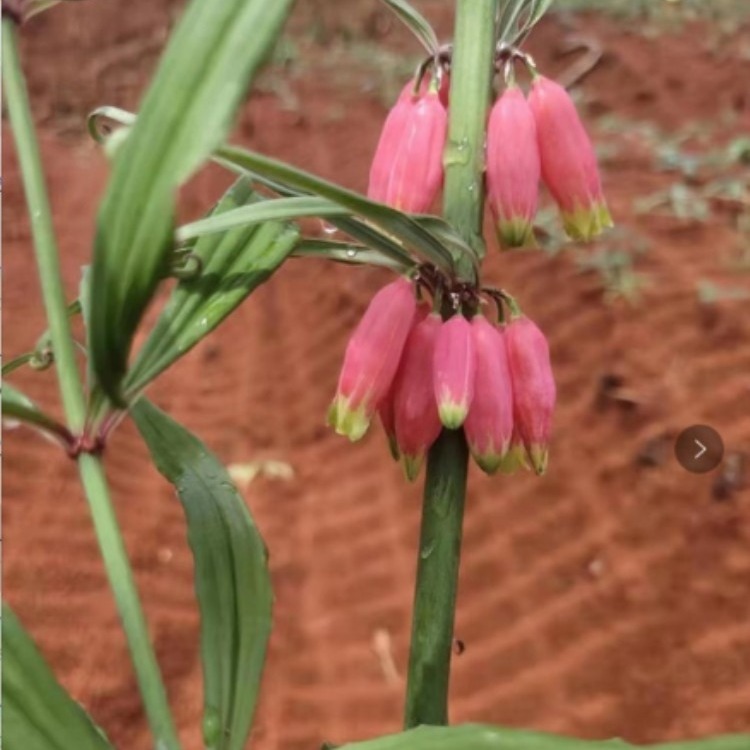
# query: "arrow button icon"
[[699, 448]]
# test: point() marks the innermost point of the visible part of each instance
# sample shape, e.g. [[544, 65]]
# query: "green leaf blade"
[[234, 264], [213, 53], [400, 225], [416, 23], [17, 406], [482, 737], [231, 576], [38, 714]]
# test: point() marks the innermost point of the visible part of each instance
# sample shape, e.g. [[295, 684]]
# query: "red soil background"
[[610, 598]]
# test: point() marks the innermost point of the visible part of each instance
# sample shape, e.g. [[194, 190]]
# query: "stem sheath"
[[447, 464]]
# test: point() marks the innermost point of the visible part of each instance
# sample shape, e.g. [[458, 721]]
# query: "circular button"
[[699, 448]]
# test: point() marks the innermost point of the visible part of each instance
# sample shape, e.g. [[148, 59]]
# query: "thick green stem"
[[447, 465], [74, 403], [471, 83], [437, 580]]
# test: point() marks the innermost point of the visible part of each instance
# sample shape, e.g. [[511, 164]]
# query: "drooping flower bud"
[[389, 143], [372, 358], [454, 367], [407, 169], [386, 408], [416, 415], [388, 420], [534, 390], [569, 167], [489, 425], [513, 168]]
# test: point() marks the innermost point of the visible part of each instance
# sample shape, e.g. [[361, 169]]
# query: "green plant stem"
[[437, 580], [74, 403], [42, 231], [471, 84], [447, 464], [123, 586]]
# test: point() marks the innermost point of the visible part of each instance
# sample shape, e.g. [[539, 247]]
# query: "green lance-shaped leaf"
[[518, 18], [231, 576], [38, 714], [479, 737], [186, 114], [416, 23], [345, 252], [18, 406], [233, 263], [279, 209], [406, 228], [375, 225]]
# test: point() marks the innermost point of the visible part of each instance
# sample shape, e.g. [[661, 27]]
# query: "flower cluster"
[[528, 138], [421, 374]]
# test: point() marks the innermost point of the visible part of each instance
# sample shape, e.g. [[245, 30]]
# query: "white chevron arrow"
[[702, 450]]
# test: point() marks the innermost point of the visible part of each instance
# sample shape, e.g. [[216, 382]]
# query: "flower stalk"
[[447, 463]]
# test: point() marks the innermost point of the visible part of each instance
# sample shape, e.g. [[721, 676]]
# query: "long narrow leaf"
[[416, 23], [479, 737], [186, 114], [231, 576], [345, 252], [386, 227], [279, 209], [398, 224], [37, 712], [233, 264], [367, 234], [18, 406], [536, 12]]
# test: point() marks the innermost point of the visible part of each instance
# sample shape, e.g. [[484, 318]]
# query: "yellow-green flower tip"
[[517, 232], [351, 423], [393, 447], [586, 223], [489, 463], [412, 466], [452, 415], [539, 456], [514, 460]]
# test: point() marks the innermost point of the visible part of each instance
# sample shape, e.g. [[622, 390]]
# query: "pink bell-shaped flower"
[[513, 168], [534, 390], [489, 424], [407, 169], [388, 420], [568, 160], [454, 367], [416, 416], [372, 358]]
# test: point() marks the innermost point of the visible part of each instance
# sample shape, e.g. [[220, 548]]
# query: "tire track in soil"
[[607, 599]]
